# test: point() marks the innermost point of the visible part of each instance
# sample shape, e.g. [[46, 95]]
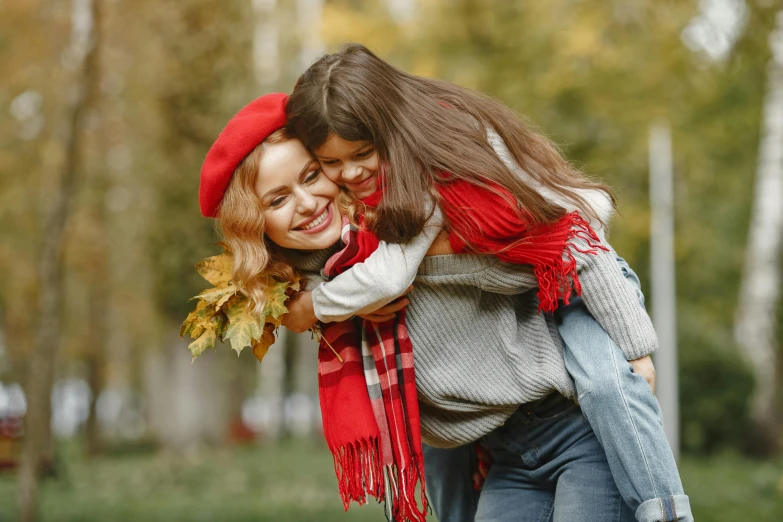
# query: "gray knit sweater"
[[481, 348]]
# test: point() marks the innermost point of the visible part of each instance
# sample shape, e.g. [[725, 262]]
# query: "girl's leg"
[[625, 417], [449, 475]]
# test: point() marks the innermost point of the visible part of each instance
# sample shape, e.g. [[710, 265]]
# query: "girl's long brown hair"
[[423, 128], [241, 224]]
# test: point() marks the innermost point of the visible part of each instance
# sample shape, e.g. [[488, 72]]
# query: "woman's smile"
[[319, 222], [297, 198]]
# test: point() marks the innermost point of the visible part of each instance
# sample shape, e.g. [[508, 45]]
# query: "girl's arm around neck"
[[380, 279]]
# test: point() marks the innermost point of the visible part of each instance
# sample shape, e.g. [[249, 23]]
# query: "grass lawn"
[[295, 482], [290, 482], [731, 488]]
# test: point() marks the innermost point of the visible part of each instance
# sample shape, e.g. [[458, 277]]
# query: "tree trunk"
[[96, 359], [186, 401], [760, 289], [41, 374]]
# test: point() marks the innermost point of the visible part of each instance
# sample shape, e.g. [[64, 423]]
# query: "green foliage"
[[715, 385], [726, 487]]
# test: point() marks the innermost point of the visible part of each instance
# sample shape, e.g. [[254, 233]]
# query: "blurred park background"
[[108, 109]]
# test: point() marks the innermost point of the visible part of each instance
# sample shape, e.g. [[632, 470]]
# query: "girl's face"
[[351, 164], [296, 198]]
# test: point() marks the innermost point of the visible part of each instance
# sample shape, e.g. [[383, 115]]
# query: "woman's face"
[[297, 198], [351, 164]]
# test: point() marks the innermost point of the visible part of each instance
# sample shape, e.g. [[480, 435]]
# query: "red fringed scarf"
[[368, 401], [484, 221]]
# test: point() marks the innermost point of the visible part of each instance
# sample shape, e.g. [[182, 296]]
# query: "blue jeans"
[[549, 466], [621, 410], [449, 477], [625, 416]]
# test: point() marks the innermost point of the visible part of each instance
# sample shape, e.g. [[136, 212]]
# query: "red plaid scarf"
[[368, 401]]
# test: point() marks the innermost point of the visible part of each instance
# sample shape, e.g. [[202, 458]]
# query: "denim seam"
[[547, 513], [635, 430]]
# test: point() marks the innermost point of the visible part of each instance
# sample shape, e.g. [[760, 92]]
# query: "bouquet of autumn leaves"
[[223, 312]]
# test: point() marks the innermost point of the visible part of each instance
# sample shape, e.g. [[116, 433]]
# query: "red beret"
[[243, 133]]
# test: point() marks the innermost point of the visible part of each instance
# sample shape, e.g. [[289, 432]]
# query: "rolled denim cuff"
[[676, 508]]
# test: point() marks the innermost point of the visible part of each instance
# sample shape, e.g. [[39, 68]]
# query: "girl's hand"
[[441, 246], [301, 315], [644, 367], [387, 312]]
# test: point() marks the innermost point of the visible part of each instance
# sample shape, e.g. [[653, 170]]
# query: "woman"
[[476, 365]]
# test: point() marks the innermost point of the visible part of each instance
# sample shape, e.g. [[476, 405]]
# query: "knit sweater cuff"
[[613, 302]]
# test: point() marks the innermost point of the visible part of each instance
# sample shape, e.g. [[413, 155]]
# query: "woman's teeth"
[[317, 221]]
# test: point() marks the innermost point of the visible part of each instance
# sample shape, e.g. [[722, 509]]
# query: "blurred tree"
[[756, 323], [30, 156], [84, 46], [203, 50]]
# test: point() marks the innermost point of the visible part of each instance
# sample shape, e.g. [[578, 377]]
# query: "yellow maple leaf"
[[244, 327], [218, 296], [261, 347], [223, 313], [217, 269], [205, 340], [212, 331], [197, 321], [275, 294]]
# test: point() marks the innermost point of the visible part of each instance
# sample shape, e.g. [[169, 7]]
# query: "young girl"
[[373, 126], [276, 209]]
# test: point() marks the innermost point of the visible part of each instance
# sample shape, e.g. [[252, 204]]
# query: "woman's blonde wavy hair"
[[242, 226]]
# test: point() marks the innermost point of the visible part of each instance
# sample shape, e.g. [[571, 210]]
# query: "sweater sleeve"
[[613, 302], [380, 279]]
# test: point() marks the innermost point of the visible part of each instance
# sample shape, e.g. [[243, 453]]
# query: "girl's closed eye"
[[365, 153], [312, 177]]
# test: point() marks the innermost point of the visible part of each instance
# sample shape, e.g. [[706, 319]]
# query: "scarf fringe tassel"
[[558, 279], [360, 473]]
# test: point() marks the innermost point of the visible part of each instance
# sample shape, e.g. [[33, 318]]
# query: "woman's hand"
[[387, 312], [644, 367], [301, 315]]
